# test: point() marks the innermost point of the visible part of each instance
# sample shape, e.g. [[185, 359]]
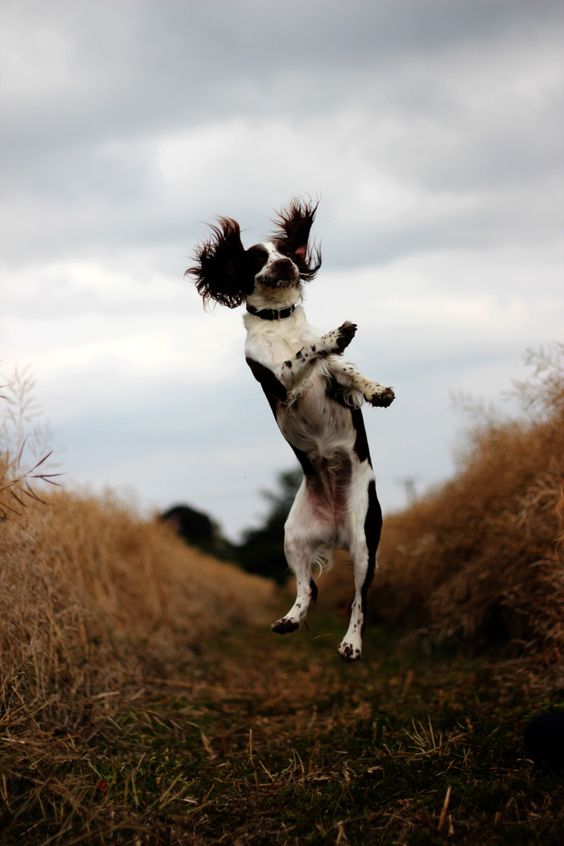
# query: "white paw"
[[348, 651]]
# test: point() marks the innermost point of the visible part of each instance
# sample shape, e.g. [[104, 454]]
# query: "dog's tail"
[[322, 559]]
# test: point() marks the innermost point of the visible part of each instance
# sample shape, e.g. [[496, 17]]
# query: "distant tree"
[[198, 529], [261, 550], [192, 525]]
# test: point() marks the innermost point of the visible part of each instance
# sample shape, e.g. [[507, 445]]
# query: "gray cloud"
[[449, 97], [430, 130]]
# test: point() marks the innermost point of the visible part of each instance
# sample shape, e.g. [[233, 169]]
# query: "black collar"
[[271, 313]]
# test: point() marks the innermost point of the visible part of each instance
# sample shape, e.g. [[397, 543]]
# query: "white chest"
[[271, 342]]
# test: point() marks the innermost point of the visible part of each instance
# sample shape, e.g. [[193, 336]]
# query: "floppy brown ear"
[[293, 225], [219, 272]]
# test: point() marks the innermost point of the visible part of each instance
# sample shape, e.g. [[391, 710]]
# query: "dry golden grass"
[[92, 598], [484, 548], [96, 604], [481, 556]]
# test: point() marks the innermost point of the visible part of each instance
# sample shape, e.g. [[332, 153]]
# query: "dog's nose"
[[282, 266], [281, 273]]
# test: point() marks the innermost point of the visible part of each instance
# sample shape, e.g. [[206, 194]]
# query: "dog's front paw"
[[345, 334], [333, 343], [381, 397]]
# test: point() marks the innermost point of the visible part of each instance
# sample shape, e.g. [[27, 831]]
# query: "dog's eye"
[[282, 248], [257, 257], [295, 254]]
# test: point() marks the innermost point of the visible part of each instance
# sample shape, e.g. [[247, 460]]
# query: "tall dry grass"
[[480, 557], [96, 607], [93, 598]]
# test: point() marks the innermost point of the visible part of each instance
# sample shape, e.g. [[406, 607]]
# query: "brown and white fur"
[[315, 397]]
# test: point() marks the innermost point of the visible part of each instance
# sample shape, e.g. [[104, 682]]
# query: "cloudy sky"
[[432, 131]]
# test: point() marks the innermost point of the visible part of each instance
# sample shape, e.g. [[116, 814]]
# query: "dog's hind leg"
[[301, 541], [299, 560], [362, 547]]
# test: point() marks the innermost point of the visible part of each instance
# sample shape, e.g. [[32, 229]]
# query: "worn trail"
[[268, 740]]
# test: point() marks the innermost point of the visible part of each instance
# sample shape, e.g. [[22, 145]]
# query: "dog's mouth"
[[279, 282], [282, 273]]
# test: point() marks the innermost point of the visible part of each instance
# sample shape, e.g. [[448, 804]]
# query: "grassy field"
[[269, 740]]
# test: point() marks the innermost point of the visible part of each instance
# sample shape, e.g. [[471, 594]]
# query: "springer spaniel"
[[315, 396]]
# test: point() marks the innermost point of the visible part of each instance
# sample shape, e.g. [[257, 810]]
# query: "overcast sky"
[[431, 130]]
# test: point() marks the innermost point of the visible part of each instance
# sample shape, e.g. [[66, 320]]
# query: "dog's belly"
[[323, 436], [317, 425]]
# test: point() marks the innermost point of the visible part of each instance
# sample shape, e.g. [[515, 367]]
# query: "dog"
[[316, 399]]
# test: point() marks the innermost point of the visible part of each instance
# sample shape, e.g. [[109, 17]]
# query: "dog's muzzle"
[[282, 273]]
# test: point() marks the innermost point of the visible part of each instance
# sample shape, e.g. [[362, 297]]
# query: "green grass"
[[274, 740]]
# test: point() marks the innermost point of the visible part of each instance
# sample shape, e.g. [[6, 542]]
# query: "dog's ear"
[[219, 272], [293, 225]]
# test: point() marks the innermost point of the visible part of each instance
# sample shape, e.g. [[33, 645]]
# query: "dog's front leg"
[[294, 370], [348, 377], [282, 383]]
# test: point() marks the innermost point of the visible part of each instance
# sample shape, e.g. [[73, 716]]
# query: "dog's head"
[[226, 272]]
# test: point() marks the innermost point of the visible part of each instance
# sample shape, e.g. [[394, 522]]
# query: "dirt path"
[[264, 739]]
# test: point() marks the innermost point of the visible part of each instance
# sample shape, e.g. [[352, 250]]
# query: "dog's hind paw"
[[348, 652], [285, 625]]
